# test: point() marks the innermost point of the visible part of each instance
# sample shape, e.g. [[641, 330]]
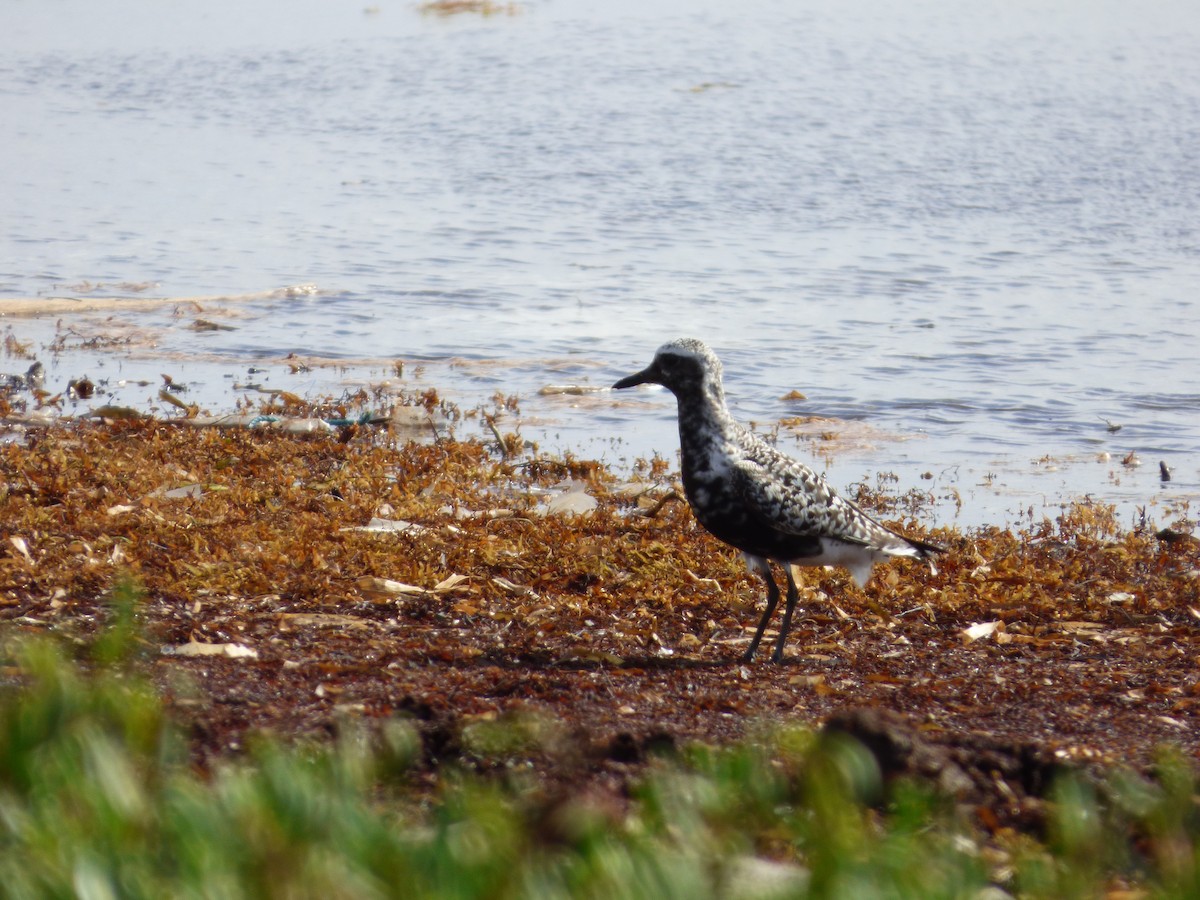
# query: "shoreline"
[[260, 533]]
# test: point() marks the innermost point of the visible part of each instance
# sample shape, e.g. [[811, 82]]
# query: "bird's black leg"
[[764, 569], [792, 595]]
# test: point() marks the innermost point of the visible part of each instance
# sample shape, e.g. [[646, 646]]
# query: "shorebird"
[[760, 501]]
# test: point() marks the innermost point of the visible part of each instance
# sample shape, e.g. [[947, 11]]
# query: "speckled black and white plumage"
[[761, 501]]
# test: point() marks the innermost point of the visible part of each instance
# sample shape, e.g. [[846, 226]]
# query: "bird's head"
[[684, 367]]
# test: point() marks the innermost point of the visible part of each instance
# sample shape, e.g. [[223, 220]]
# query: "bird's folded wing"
[[792, 498]]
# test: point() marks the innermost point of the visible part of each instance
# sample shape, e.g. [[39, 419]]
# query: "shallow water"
[[968, 229]]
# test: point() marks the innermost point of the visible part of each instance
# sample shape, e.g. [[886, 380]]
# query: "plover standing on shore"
[[757, 499]]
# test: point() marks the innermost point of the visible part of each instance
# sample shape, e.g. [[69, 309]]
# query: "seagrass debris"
[[375, 575]]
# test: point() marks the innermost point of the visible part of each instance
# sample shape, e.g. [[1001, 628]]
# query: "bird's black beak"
[[648, 375]]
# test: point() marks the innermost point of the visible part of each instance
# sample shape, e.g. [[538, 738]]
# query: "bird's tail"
[[926, 551]]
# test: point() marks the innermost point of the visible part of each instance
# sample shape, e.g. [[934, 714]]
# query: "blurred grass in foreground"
[[98, 799]]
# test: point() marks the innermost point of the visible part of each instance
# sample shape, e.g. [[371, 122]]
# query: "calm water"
[[970, 229]]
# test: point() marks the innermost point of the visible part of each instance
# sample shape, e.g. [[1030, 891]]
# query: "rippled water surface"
[[968, 229]]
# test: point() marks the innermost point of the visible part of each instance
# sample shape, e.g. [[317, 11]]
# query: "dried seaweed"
[[617, 617]]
